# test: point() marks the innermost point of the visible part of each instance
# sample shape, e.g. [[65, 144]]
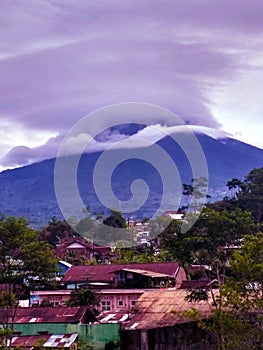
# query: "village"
[[135, 298]]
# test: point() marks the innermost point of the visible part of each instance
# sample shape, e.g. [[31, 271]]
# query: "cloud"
[[112, 140], [61, 60]]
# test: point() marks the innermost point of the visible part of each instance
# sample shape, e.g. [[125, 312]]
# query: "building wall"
[[118, 302], [181, 276], [181, 337], [110, 300], [97, 335]]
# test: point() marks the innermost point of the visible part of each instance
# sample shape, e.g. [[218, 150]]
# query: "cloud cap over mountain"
[[61, 60]]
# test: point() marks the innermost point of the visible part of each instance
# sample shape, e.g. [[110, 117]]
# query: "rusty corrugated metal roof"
[[44, 340], [113, 317], [73, 314], [164, 309], [145, 273], [103, 273], [190, 284]]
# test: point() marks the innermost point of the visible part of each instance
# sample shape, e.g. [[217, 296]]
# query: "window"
[[133, 302], [120, 303], [55, 303], [106, 305]]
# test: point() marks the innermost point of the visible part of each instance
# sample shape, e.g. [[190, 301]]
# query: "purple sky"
[[60, 60]]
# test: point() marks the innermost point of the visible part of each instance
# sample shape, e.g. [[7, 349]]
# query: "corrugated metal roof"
[[189, 284], [164, 309], [104, 273], [112, 317], [146, 273], [44, 340], [71, 314]]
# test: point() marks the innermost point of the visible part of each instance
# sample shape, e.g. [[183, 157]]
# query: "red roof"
[[104, 272], [62, 246], [73, 314], [44, 340]]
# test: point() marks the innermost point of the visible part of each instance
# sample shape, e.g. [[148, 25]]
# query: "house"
[[73, 314], [136, 275], [35, 321], [159, 321], [63, 267], [114, 300], [53, 298], [193, 284], [174, 215], [77, 250]]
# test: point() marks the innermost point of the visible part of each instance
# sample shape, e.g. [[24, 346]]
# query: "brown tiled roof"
[[164, 309], [73, 314], [104, 272]]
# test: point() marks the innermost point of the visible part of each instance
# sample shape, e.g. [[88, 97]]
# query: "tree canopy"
[[26, 262]]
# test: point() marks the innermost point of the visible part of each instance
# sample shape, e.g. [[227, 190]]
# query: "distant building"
[[174, 215], [76, 249], [136, 275]]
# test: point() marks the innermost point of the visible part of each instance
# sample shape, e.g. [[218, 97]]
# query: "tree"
[[83, 297], [26, 262], [115, 219], [250, 197], [237, 320], [244, 288], [209, 241], [197, 191], [136, 254], [56, 230]]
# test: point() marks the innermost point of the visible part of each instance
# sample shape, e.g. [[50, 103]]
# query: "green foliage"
[[192, 314], [208, 241], [237, 322], [115, 219], [197, 294], [159, 224], [250, 197], [83, 297], [23, 255], [86, 345], [96, 228], [56, 230], [26, 262], [247, 263], [243, 291], [231, 332], [136, 255]]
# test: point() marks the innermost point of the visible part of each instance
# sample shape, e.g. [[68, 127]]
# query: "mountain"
[[29, 190]]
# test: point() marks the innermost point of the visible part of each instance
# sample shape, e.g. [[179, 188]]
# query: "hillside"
[[29, 190]]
